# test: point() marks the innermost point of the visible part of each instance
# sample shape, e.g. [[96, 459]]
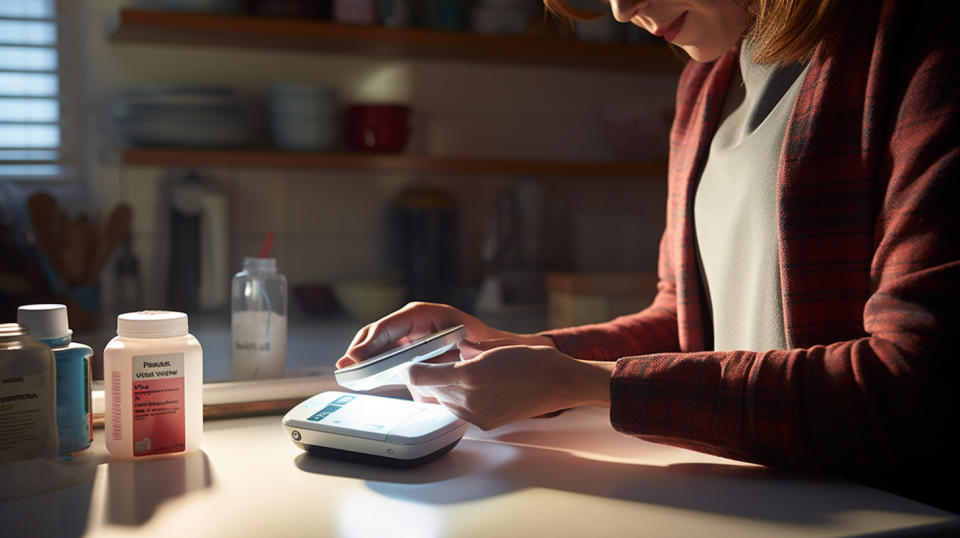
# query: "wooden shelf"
[[392, 163], [143, 26], [178, 28]]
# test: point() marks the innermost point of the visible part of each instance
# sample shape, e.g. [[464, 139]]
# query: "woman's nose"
[[625, 10]]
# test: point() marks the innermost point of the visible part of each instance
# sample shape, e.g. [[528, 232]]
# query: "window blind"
[[39, 127]]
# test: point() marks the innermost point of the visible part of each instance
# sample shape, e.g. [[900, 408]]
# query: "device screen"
[[331, 408], [352, 414]]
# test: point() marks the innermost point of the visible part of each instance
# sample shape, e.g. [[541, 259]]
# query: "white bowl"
[[305, 134], [288, 101], [369, 299]]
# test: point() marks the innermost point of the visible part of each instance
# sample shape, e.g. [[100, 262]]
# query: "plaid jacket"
[[869, 248]]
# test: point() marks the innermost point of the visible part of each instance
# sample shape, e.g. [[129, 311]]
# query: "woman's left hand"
[[495, 385]]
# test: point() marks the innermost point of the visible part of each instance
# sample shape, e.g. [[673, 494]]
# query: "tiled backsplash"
[[330, 224]]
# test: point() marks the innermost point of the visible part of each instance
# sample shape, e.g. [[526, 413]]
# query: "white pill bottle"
[[153, 386]]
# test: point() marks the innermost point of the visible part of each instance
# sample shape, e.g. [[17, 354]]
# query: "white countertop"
[[570, 475]]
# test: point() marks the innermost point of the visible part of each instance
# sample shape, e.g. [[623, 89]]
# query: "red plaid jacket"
[[869, 247]]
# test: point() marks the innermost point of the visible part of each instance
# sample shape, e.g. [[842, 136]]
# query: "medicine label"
[[158, 406], [22, 428]]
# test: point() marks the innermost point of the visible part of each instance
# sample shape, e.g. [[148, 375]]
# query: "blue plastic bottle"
[[48, 323]]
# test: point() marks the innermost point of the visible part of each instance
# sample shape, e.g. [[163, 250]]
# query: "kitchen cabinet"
[[178, 28]]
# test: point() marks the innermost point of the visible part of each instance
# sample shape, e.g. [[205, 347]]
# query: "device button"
[[296, 435]]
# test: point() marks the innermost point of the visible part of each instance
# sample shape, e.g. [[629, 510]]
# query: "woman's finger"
[[347, 360], [426, 374], [360, 336], [382, 335]]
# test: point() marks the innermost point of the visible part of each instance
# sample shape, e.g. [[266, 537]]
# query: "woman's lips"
[[670, 32]]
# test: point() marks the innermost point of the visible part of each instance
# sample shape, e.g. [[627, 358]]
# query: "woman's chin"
[[702, 54]]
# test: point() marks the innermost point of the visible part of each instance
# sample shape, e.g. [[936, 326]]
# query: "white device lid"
[[152, 324], [378, 418], [431, 422], [390, 368], [45, 321]]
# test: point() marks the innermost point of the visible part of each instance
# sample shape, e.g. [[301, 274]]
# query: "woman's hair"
[[783, 30]]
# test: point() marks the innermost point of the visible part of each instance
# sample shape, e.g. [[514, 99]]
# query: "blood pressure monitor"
[[377, 429], [373, 429]]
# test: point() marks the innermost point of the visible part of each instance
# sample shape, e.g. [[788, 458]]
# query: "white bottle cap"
[[45, 321], [152, 324], [263, 265]]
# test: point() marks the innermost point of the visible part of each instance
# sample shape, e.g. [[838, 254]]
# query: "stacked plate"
[[180, 116]]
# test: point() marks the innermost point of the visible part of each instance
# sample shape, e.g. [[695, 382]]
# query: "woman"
[[809, 269]]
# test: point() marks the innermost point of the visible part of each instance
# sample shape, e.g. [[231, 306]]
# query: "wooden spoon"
[[76, 251], [43, 216], [116, 230]]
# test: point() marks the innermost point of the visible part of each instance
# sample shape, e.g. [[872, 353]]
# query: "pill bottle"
[[28, 396], [153, 386], [258, 307], [48, 323]]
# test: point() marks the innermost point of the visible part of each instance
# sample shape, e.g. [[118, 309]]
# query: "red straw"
[[265, 250]]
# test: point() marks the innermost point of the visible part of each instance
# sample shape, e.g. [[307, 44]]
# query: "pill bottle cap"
[[45, 321], [152, 324]]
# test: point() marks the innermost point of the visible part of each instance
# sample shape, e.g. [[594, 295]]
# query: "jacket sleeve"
[[864, 406]]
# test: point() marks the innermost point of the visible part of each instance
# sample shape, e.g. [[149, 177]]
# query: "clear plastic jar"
[[153, 386], [28, 396], [259, 321]]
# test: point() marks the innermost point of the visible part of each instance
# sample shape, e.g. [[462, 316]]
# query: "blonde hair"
[[783, 30]]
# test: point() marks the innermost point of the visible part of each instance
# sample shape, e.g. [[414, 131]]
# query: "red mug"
[[377, 128]]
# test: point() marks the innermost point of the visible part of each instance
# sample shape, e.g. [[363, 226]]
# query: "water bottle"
[[259, 320]]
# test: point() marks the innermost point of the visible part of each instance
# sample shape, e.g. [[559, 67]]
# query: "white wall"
[[327, 222]]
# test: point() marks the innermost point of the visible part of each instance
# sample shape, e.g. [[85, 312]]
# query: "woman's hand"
[[494, 385], [417, 320]]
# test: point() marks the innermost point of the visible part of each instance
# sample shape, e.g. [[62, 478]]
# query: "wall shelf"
[[145, 26], [138, 26], [393, 163]]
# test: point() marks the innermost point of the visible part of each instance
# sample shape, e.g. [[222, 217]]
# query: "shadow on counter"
[[46, 498], [485, 468], [137, 488]]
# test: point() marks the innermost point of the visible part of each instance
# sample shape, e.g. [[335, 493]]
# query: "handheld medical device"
[[390, 368], [373, 429]]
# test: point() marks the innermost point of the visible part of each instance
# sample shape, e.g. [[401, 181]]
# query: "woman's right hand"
[[417, 320]]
